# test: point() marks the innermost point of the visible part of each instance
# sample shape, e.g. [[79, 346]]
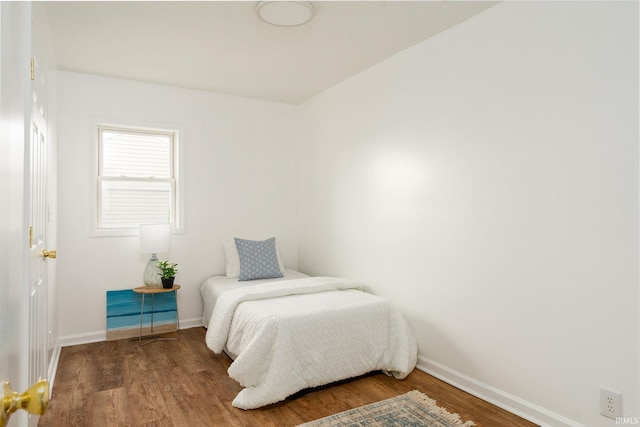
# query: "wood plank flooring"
[[182, 383]]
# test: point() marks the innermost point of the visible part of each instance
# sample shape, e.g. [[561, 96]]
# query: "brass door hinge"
[[33, 68], [30, 236]]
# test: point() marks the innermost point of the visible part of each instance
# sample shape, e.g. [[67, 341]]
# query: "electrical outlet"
[[610, 403]]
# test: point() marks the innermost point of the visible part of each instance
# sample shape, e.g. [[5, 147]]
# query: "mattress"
[[214, 286]]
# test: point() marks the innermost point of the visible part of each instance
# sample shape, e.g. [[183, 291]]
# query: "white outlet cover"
[[610, 403]]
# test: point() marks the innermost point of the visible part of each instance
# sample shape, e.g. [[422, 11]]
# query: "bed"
[[294, 332], [214, 286]]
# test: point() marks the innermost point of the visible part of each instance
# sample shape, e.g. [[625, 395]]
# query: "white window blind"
[[136, 177]]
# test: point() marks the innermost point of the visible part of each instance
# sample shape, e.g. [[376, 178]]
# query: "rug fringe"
[[433, 407]]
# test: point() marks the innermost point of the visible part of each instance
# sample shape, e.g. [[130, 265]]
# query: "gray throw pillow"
[[258, 259]]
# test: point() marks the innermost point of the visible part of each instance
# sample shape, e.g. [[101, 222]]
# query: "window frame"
[[98, 178]]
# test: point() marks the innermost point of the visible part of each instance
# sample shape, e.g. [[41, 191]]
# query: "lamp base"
[[151, 274]]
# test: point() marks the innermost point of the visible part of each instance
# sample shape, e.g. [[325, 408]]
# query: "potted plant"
[[168, 272]]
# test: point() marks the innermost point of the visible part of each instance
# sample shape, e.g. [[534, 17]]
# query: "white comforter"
[[307, 332]]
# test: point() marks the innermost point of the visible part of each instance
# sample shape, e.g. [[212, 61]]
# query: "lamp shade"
[[155, 238]]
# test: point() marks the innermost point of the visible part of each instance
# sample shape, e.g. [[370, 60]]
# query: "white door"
[[23, 298], [37, 206], [14, 134], [39, 255]]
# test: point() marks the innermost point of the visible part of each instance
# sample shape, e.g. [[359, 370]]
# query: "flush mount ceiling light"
[[285, 13]]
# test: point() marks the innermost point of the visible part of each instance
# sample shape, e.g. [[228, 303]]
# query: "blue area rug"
[[412, 409]]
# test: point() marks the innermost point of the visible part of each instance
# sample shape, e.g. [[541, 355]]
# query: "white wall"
[[238, 175], [486, 180]]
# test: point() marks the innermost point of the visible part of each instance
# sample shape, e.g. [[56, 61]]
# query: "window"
[[136, 177]]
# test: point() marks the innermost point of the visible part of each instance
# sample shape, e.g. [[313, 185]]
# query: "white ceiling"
[[223, 46]]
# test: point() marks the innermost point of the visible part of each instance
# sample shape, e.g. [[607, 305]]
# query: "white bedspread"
[[216, 285], [307, 332]]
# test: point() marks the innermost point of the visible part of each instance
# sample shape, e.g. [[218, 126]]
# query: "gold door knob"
[[34, 400], [49, 254]]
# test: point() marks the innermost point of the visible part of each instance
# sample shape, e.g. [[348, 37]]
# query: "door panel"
[[38, 305], [14, 246], [38, 277], [24, 351]]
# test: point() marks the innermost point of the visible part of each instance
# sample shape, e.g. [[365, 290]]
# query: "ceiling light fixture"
[[285, 13]]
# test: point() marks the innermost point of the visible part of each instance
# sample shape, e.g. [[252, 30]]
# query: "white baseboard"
[[191, 323], [99, 336], [501, 399], [53, 366]]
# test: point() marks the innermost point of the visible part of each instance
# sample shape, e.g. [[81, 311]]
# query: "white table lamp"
[[154, 239]]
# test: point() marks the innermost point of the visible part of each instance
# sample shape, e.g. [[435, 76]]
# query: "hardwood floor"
[[182, 383]]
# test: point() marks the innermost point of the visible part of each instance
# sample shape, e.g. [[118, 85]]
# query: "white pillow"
[[232, 259]]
